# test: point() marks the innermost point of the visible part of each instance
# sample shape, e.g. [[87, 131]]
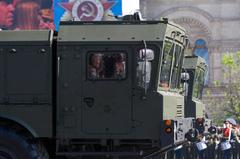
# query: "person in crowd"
[[15, 2], [230, 131], [229, 135], [234, 132], [7, 14], [27, 16], [227, 129], [46, 19], [238, 132]]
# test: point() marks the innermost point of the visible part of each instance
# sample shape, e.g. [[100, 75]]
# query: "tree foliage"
[[227, 102]]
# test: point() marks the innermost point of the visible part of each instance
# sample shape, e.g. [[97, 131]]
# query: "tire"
[[15, 146]]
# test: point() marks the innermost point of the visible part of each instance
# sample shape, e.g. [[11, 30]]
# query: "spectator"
[[15, 2], [227, 130], [229, 134], [47, 17], [233, 129], [46, 20], [7, 14], [238, 133], [27, 16]]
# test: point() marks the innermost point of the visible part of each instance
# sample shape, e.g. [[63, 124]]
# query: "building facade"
[[212, 26]]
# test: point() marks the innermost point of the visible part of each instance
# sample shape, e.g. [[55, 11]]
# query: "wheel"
[[14, 146]]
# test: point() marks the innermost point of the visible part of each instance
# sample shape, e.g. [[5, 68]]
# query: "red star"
[[69, 5], [107, 4], [66, 5]]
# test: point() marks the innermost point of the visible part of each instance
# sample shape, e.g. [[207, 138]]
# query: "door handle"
[[58, 66], [89, 101]]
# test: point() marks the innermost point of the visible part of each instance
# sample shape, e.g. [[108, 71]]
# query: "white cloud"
[[129, 6]]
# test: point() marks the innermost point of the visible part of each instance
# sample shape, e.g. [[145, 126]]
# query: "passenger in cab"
[[95, 68], [119, 67]]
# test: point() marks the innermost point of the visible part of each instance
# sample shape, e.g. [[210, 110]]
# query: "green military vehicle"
[[196, 67], [97, 89]]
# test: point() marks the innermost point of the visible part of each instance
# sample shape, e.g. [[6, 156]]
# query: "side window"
[[166, 64], [201, 83], [198, 83], [144, 67], [177, 65], [105, 65]]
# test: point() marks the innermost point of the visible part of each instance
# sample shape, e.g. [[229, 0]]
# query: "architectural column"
[[215, 58], [216, 51]]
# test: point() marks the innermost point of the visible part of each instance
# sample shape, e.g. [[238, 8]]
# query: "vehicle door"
[[107, 100]]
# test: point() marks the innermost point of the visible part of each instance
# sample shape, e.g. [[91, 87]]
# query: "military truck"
[[95, 89], [196, 67]]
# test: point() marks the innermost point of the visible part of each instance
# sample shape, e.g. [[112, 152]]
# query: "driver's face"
[[227, 124], [6, 16], [96, 61]]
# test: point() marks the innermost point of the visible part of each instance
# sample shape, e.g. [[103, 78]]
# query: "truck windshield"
[[198, 83], [166, 64], [177, 67]]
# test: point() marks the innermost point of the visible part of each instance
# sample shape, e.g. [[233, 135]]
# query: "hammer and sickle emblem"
[[88, 10]]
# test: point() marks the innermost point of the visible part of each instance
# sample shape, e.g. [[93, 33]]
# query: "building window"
[[200, 49]]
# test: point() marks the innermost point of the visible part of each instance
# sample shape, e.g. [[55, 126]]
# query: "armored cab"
[[194, 107], [99, 88], [26, 80], [197, 69], [119, 86]]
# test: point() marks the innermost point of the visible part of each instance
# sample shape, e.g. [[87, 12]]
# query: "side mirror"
[[185, 89], [185, 76], [147, 54]]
